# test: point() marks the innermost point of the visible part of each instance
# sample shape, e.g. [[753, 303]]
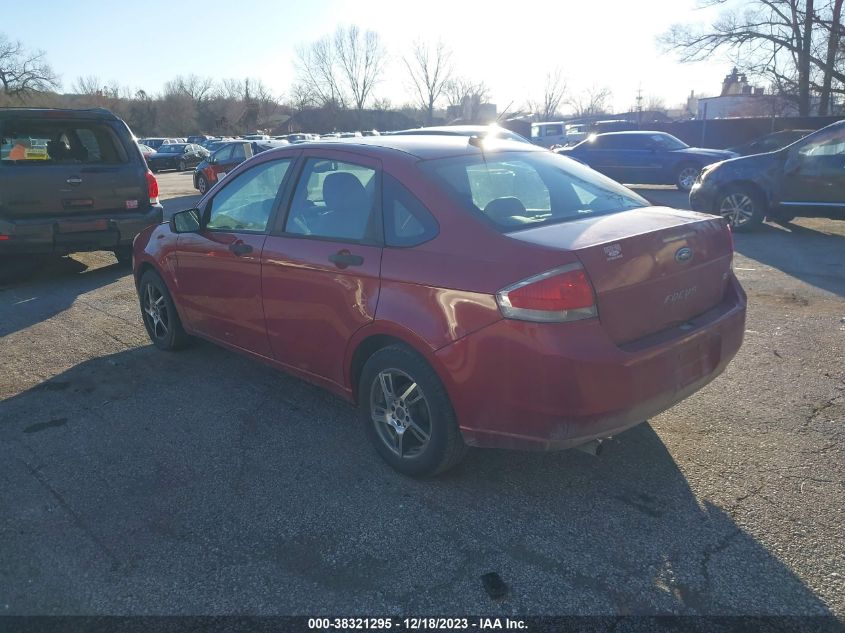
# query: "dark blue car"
[[654, 158]]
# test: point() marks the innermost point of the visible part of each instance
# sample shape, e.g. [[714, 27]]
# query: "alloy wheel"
[[737, 208], [155, 312], [687, 176], [400, 413]]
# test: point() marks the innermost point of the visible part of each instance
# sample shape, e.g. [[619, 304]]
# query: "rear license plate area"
[[698, 359]]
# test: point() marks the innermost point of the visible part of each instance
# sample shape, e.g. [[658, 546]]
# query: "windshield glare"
[[667, 141], [517, 190]]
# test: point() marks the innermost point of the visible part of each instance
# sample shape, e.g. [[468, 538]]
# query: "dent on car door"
[[321, 270], [219, 266]]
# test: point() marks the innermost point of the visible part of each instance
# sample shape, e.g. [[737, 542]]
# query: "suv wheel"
[[685, 178], [407, 414], [202, 184], [123, 254], [742, 206], [159, 314]]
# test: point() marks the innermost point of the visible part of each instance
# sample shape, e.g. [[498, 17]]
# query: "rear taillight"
[[3, 237], [560, 294], [152, 186]]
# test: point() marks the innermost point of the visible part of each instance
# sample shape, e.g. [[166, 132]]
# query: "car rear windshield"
[[515, 190], [59, 142], [173, 148]]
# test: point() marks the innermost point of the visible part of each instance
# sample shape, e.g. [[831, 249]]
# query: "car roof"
[[458, 130], [58, 113], [633, 132], [420, 146]]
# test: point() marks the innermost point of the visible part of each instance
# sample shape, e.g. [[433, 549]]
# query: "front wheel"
[[685, 178], [202, 184], [407, 414], [159, 313], [742, 206]]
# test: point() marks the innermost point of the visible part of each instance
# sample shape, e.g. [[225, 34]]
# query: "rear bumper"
[[77, 233], [552, 386]]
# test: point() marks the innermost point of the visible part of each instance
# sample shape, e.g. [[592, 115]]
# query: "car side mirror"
[[187, 221]]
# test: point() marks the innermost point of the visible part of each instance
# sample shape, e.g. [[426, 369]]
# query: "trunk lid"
[[652, 268]]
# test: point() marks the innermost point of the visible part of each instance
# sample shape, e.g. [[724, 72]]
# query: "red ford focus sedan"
[[463, 292]]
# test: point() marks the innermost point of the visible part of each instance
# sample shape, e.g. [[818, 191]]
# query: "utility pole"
[[639, 106]]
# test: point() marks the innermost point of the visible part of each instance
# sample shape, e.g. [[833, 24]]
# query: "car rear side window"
[[516, 190], [54, 142], [407, 222], [246, 203], [334, 200]]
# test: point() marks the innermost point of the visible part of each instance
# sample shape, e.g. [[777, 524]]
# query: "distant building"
[[740, 99], [472, 110]]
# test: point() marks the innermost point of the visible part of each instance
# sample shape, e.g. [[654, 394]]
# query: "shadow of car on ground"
[[204, 482]]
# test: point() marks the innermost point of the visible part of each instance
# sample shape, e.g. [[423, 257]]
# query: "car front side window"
[[333, 200], [246, 203]]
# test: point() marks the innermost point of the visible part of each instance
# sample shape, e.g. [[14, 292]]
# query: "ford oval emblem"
[[683, 255]]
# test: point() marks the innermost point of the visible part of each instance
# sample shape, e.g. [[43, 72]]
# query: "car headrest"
[[503, 210], [343, 191]]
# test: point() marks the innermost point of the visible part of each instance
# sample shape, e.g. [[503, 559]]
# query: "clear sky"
[[509, 45]]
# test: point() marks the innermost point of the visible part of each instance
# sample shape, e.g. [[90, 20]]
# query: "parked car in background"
[[178, 156], [156, 142], [350, 135], [399, 272], [548, 133], [146, 150], [199, 139], [481, 131], [330, 135], [371, 133], [645, 158], [297, 138], [256, 137], [806, 178], [72, 180], [221, 162], [770, 142]]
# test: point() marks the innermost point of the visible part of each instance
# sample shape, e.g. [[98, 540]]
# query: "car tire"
[[162, 320], [202, 184], [407, 414], [123, 254], [182, 166], [743, 206], [685, 176]]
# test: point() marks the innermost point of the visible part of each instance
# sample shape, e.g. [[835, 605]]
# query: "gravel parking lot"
[[141, 482]]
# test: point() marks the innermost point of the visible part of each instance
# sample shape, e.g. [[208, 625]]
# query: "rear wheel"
[[686, 175], [182, 166], [407, 414], [202, 184], [742, 206], [159, 314]]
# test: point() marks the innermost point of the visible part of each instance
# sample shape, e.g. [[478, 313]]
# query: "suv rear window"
[[59, 143], [516, 190]]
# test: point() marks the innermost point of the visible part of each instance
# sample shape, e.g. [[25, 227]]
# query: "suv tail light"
[[557, 295], [152, 187]]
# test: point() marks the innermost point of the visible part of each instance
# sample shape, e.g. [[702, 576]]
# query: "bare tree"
[[197, 89], [467, 94], [774, 39], [361, 58], [430, 71], [553, 94], [317, 72], [590, 102], [835, 45], [22, 71]]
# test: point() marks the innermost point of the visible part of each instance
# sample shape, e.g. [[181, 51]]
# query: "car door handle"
[[344, 258], [239, 248], [74, 180]]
